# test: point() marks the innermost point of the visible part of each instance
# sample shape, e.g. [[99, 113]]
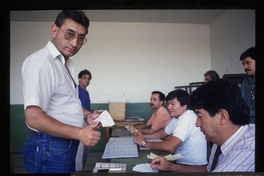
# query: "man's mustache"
[[247, 70]]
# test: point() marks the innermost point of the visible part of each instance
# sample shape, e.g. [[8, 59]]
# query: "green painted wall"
[[19, 130]]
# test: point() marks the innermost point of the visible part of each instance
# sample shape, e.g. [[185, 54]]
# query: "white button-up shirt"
[[193, 147], [47, 84]]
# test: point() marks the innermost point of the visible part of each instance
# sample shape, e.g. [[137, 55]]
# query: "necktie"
[[216, 155]]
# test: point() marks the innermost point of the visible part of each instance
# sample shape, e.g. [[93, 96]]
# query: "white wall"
[[129, 60], [231, 34]]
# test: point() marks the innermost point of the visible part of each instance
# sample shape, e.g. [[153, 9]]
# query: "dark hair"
[[161, 95], [221, 94], [84, 72], [76, 15], [213, 74], [250, 52], [182, 96]]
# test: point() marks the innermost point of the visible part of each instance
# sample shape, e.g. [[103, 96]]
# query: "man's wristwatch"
[[143, 143], [87, 115]]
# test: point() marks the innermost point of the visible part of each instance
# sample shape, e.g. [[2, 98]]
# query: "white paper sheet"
[[106, 119], [144, 167]]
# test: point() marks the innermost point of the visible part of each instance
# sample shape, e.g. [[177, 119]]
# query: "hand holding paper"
[[105, 119]]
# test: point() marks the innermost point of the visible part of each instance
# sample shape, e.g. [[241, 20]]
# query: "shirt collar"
[[229, 143], [55, 52], [158, 110]]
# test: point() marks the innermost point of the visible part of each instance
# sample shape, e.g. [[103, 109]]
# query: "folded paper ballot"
[[105, 119], [167, 157]]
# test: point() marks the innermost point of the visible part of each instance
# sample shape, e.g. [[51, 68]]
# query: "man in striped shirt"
[[223, 116]]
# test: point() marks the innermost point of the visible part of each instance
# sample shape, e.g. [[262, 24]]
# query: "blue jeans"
[[43, 153]]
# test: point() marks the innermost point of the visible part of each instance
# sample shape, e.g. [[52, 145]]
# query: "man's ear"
[[54, 30], [224, 116], [185, 106]]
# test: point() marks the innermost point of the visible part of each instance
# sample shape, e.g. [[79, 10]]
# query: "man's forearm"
[[158, 146], [155, 135], [42, 122], [146, 130], [140, 126]]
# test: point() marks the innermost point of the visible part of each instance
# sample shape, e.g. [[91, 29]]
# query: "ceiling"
[[159, 16]]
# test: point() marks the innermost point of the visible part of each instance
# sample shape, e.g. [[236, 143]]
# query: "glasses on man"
[[68, 35]]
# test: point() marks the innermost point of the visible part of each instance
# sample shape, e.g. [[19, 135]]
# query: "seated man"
[[210, 75], [182, 136], [160, 117], [223, 116]]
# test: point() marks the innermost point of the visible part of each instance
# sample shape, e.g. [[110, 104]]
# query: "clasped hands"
[[138, 138]]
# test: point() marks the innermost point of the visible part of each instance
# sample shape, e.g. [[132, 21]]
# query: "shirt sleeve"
[[38, 83], [160, 122], [183, 128]]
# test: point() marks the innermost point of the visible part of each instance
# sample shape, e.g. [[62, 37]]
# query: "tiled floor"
[[18, 165]]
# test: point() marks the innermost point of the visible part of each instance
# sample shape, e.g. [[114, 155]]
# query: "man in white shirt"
[[223, 116], [180, 135], [53, 111]]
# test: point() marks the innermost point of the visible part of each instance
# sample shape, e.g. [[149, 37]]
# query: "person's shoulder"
[[251, 129], [189, 113], [247, 78], [189, 116], [246, 134], [39, 57], [163, 109]]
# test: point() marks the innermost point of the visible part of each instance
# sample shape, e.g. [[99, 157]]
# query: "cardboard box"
[[117, 110]]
